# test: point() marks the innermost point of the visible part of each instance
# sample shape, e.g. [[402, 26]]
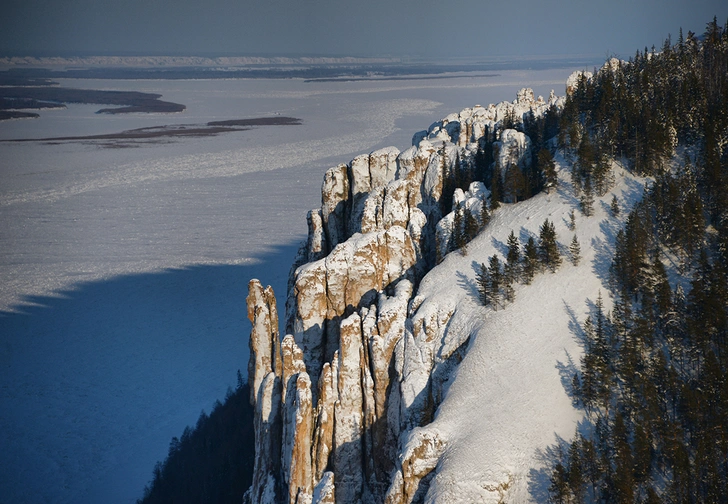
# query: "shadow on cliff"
[[97, 379]]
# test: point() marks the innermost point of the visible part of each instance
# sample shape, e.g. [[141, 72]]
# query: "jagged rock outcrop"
[[513, 148], [471, 201], [342, 400], [416, 463], [572, 82]]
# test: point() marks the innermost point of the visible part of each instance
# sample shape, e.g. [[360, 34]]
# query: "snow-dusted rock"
[[264, 339], [334, 198], [316, 247], [348, 411], [471, 200], [369, 172], [324, 493], [324, 430], [513, 147], [572, 82], [292, 362], [420, 456], [265, 488], [296, 465]]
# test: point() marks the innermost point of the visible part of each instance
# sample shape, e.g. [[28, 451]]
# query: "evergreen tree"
[[514, 186], [448, 183], [614, 206], [547, 247], [470, 225], [482, 280], [513, 258], [653, 376], [548, 165], [575, 251], [572, 221], [509, 293], [484, 213], [458, 239], [496, 187], [586, 201], [530, 261], [576, 470], [496, 280], [480, 167], [602, 174]]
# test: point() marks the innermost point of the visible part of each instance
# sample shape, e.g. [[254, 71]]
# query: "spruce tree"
[[458, 239], [496, 187], [482, 280], [514, 187], [496, 280], [572, 221], [614, 206], [547, 247], [530, 261], [460, 177], [586, 201], [575, 251], [484, 213], [547, 164], [470, 225], [448, 185], [513, 258]]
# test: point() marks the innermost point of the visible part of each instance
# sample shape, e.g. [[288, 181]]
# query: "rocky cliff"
[[344, 399]]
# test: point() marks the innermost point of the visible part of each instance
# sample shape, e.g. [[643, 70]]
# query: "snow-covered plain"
[[124, 266]]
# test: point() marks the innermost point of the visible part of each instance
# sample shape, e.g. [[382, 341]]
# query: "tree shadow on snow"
[[567, 371], [604, 250], [500, 246], [468, 284], [98, 378], [565, 191], [540, 479], [574, 325]]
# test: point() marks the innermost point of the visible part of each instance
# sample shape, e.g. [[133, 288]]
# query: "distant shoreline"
[[180, 130], [310, 69], [403, 78]]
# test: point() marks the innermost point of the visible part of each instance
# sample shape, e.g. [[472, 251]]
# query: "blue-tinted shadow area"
[[95, 381]]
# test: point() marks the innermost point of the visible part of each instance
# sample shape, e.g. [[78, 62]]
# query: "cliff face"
[[343, 400]]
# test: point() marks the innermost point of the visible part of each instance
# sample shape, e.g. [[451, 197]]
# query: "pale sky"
[[483, 28]]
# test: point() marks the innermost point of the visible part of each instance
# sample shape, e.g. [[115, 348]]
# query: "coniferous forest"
[[654, 376], [212, 462]]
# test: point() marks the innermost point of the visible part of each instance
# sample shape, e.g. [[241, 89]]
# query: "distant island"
[[177, 130], [48, 95]]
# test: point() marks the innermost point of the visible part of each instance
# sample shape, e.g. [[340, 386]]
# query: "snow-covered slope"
[[508, 400], [398, 386]]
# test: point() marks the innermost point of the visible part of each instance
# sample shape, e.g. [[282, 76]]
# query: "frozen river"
[[124, 267]]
